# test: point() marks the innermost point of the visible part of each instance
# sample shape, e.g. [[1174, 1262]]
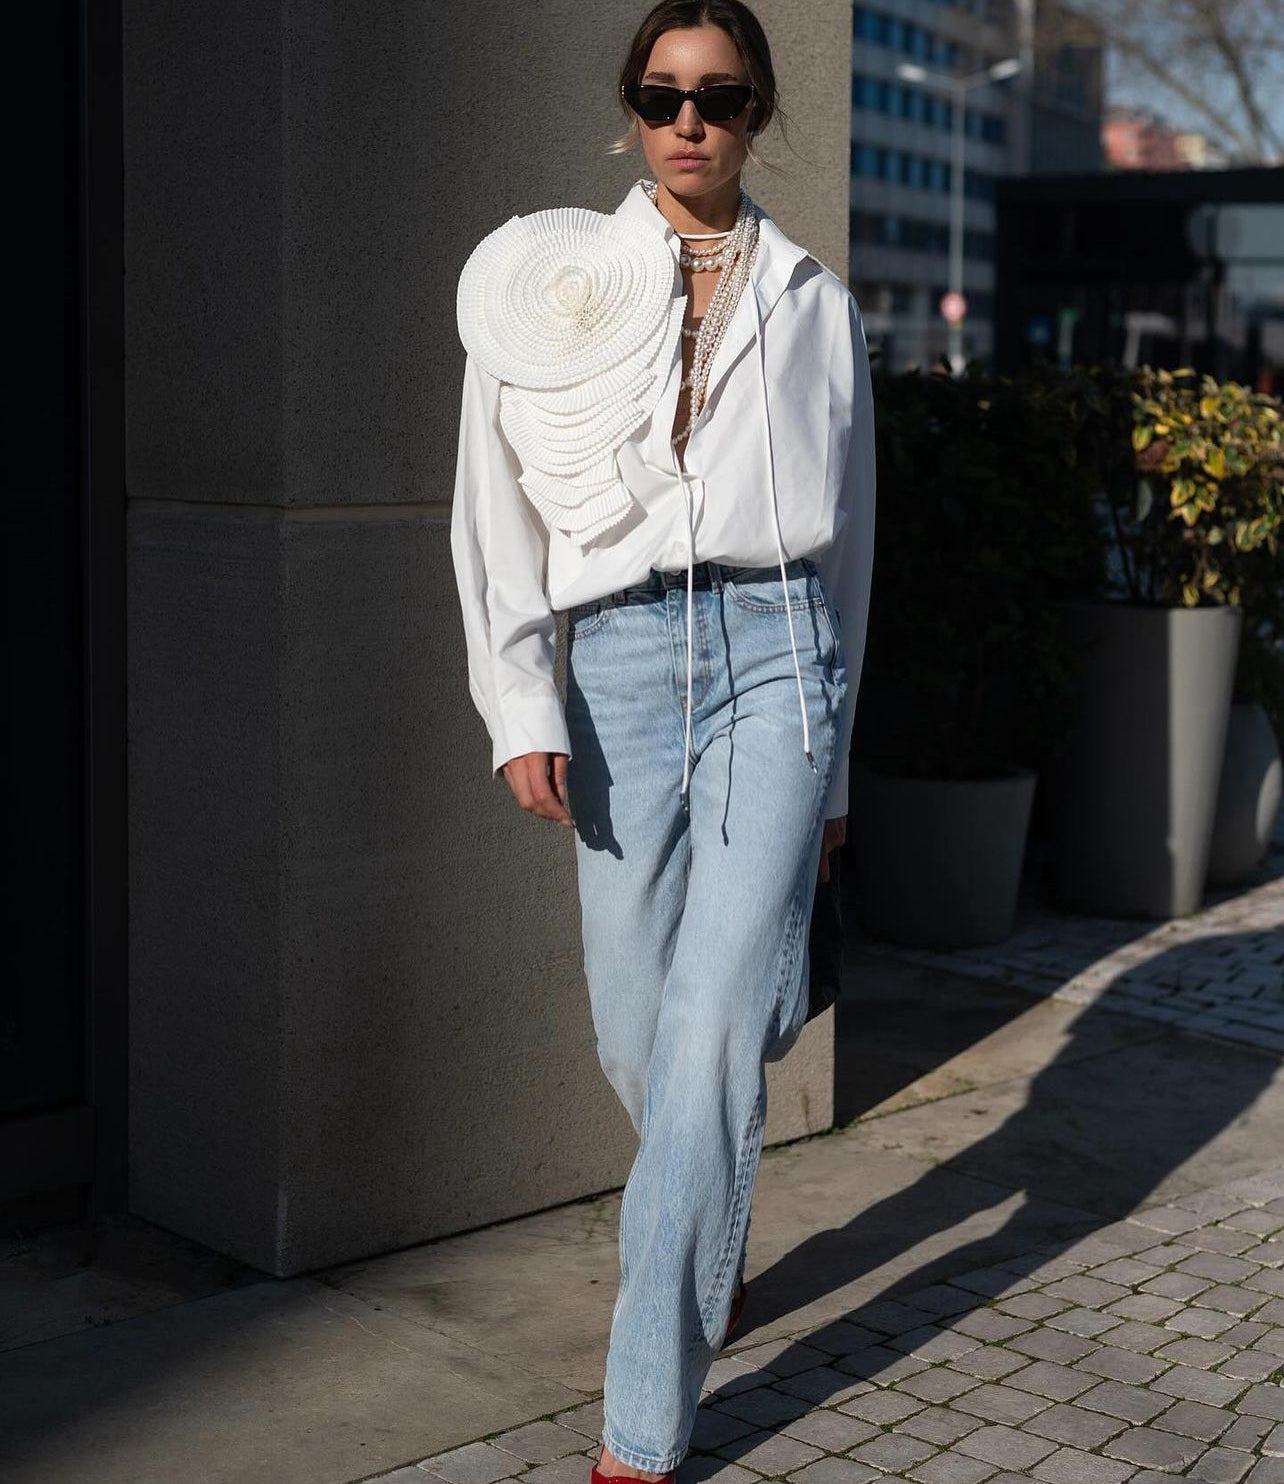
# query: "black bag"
[[825, 943]]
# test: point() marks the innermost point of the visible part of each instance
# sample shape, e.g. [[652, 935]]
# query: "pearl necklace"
[[737, 254], [706, 259]]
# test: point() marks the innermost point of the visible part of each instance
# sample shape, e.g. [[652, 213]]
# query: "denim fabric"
[[694, 923]]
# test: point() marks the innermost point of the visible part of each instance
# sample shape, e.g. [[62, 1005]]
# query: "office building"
[[1135, 139], [902, 144]]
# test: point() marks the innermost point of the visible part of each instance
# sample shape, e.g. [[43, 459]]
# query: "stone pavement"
[[1040, 1245], [1219, 972], [1151, 1348], [1142, 1349]]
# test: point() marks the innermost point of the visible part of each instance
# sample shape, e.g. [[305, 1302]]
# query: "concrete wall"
[[358, 1014]]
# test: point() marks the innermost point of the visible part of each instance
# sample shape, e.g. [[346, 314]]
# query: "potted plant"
[[1180, 468], [1250, 428], [965, 687], [1252, 777]]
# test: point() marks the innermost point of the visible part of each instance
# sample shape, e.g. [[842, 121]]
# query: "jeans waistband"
[[706, 575]]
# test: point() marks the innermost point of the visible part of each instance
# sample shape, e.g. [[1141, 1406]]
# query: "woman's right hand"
[[538, 782]]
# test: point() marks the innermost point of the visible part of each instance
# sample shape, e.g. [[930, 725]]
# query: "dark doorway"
[[63, 1010]]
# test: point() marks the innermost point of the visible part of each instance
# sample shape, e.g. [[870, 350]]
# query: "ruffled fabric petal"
[[577, 318]]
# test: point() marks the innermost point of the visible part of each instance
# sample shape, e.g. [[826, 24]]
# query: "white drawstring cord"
[[775, 518], [686, 749], [780, 553]]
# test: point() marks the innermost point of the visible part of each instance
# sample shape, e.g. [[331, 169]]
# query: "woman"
[[667, 434]]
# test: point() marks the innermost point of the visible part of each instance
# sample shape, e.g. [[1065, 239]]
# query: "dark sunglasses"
[[658, 104]]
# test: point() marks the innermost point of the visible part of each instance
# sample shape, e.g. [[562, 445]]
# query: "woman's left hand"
[[834, 836]]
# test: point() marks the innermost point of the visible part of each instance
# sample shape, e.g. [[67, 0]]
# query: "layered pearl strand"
[[735, 256]]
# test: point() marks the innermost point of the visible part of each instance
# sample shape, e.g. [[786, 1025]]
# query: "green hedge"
[[999, 496]]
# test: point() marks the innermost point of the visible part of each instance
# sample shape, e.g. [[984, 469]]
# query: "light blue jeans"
[[695, 924]]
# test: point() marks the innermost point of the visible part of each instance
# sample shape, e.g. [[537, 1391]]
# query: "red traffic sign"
[[953, 307]]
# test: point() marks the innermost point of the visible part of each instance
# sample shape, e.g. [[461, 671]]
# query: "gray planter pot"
[[1248, 796], [937, 862], [1131, 801]]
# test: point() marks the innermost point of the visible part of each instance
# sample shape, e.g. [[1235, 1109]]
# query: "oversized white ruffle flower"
[[577, 317]]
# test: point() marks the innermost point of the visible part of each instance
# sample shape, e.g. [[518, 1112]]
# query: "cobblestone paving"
[[1218, 972], [1152, 1348]]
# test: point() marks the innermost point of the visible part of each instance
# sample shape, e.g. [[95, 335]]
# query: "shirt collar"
[[773, 267], [777, 254]]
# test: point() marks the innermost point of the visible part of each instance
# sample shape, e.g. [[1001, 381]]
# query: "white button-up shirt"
[[779, 465]]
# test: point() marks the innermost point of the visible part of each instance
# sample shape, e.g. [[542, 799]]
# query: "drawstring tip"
[[811, 760]]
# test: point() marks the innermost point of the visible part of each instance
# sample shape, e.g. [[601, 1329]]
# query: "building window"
[[882, 29], [917, 234], [922, 106], [978, 244], [870, 227]]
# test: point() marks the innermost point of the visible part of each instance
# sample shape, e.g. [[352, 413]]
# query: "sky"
[[1126, 86]]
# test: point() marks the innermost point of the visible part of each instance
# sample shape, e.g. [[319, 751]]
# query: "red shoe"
[[598, 1477], [737, 1308]]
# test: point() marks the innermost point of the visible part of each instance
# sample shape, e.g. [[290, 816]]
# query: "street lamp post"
[[958, 89]]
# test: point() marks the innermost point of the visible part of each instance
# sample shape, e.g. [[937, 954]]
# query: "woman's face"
[[688, 156]]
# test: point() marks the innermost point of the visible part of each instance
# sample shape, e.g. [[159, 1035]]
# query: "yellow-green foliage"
[[1211, 456]]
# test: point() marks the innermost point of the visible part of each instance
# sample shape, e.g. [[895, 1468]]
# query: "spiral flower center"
[[570, 290]]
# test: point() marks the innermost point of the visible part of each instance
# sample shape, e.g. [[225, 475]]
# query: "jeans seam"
[[642, 1131], [817, 826], [761, 605], [584, 630], [738, 1196], [839, 654], [793, 948]]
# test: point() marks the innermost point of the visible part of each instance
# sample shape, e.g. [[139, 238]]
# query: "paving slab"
[[1136, 1124], [284, 1382], [1218, 972], [82, 1274]]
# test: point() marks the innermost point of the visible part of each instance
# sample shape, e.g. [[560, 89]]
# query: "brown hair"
[[745, 30]]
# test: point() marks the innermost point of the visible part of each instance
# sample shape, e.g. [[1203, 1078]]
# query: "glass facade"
[[903, 169], [919, 234], [919, 105], [921, 172], [1182, 268], [1045, 119]]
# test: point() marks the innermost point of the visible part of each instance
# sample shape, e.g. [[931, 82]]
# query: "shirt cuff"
[[538, 726]]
